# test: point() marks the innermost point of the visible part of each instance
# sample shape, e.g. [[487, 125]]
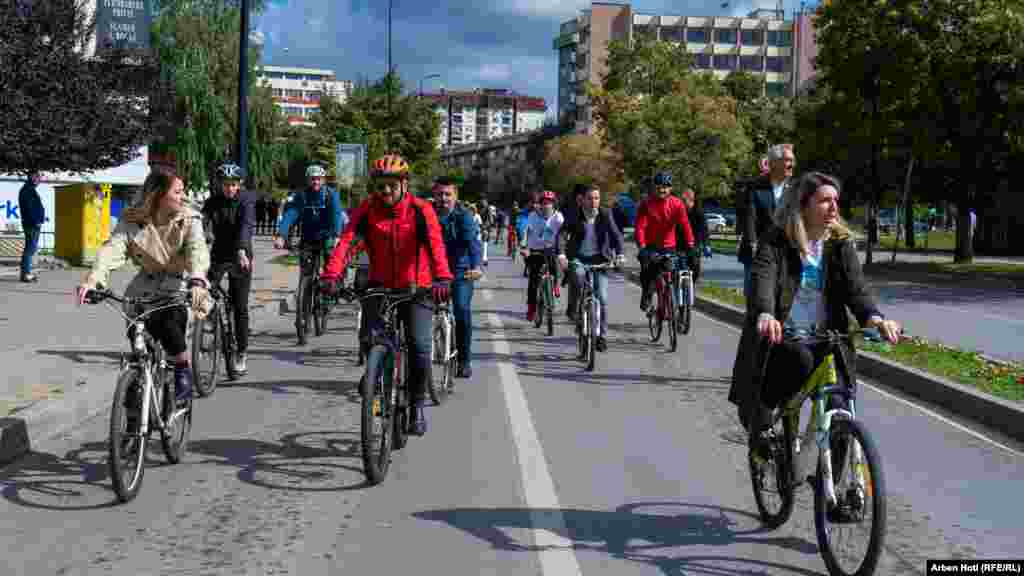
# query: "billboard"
[[350, 163], [123, 24]]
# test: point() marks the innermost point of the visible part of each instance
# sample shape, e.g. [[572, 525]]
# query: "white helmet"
[[315, 171]]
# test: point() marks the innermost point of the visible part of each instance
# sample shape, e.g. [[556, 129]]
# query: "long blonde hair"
[[156, 186], [789, 216]]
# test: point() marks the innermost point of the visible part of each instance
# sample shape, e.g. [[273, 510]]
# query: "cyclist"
[[539, 237], [571, 208], [486, 226], [403, 240], [511, 235], [656, 222], [522, 218], [594, 238], [806, 274], [318, 211], [462, 243], [164, 238], [229, 217]]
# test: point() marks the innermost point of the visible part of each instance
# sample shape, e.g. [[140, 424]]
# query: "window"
[[697, 36], [278, 92], [313, 95], [293, 76], [702, 61], [672, 34], [644, 31], [725, 36], [293, 93], [752, 37], [751, 63], [780, 38], [778, 64], [725, 62], [775, 89]]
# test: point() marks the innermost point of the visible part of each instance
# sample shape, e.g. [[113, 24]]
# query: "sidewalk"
[[60, 361]]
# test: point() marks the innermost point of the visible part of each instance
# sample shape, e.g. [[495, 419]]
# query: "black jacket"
[[757, 217], [698, 224], [609, 238], [231, 223]]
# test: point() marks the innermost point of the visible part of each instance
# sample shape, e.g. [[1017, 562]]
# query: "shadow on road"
[[657, 525], [102, 357]]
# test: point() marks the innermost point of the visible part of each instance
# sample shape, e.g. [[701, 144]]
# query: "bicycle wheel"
[[359, 341], [670, 312], [860, 508], [301, 329], [174, 436], [307, 305], [399, 379], [581, 333], [228, 343], [655, 314], [591, 328], [319, 310], [538, 319], [772, 482], [549, 306], [442, 361], [127, 448], [207, 335], [378, 412], [686, 309]]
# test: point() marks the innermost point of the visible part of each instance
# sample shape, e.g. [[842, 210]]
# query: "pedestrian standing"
[[33, 214], [759, 204]]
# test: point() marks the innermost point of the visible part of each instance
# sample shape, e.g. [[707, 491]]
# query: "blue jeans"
[[462, 303], [600, 293], [31, 247]]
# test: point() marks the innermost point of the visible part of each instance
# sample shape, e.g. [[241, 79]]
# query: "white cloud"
[[546, 9], [494, 72]]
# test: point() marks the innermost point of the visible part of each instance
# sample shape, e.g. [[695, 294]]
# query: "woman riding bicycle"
[[805, 275], [164, 238], [539, 236]]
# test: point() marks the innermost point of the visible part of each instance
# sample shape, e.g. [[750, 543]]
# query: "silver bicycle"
[[443, 353]]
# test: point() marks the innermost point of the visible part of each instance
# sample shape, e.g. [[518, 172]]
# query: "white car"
[[714, 222]]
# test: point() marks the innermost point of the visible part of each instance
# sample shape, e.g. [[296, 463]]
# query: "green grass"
[[964, 367], [944, 273], [940, 240], [285, 260]]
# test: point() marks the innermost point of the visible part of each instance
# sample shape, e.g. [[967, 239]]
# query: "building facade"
[[469, 116], [763, 43], [298, 91]]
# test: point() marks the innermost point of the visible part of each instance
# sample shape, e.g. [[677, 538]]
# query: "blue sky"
[[471, 43]]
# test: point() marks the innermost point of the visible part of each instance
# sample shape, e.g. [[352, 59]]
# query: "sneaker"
[[419, 421], [29, 278], [465, 371], [601, 344], [240, 363], [531, 312]]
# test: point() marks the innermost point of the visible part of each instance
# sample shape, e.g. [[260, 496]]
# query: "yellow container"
[[83, 221]]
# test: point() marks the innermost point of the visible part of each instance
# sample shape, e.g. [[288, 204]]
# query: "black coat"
[[231, 222], [757, 217], [609, 237], [775, 277]]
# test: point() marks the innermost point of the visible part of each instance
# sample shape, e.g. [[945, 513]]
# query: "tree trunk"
[[908, 206]]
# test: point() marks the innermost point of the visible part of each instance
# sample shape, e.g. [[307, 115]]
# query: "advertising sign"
[[123, 24], [350, 163]]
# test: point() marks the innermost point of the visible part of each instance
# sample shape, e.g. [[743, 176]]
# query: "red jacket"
[[656, 222], [392, 246]]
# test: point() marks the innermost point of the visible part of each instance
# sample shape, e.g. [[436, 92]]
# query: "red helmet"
[[547, 196], [390, 165]]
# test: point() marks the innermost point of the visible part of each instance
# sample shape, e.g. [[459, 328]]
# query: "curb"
[[980, 407]]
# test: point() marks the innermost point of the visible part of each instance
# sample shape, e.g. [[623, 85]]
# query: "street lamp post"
[[242, 146], [387, 80]]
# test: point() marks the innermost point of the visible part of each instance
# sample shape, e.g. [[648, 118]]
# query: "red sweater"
[[392, 246], [656, 222]]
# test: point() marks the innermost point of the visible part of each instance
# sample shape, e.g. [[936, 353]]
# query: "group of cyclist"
[[804, 269]]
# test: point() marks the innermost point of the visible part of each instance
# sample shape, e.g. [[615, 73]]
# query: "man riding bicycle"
[[593, 238], [656, 222], [403, 240], [320, 216], [539, 237], [229, 218]]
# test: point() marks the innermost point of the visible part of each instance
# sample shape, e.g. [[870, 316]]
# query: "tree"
[[197, 42], [64, 110], [581, 159]]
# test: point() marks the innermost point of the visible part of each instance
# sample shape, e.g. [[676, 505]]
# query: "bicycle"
[[588, 312], [443, 353], [546, 295], [311, 309], [145, 388], [833, 430], [384, 386], [218, 326], [673, 288]]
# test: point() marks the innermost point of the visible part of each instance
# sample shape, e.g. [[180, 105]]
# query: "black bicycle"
[[311, 308], [211, 337], [588, 313], [144, 397], [387, 411]]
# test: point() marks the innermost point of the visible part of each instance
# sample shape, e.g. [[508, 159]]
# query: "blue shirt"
[[321, 215], [461, 240]]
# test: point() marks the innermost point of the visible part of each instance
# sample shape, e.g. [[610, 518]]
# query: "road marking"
[[548, 524], [927, 411]]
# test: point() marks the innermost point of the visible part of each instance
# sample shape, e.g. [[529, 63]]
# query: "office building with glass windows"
[[297, 91], [763, 43]]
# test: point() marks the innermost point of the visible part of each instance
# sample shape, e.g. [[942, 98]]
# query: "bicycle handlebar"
[[834, 336]]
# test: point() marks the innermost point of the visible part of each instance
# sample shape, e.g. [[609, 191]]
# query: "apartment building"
[[764, 43], [298, 91], [482, 114]]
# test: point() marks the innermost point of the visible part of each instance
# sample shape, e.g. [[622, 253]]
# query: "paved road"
[[532, 467], [968, 318]]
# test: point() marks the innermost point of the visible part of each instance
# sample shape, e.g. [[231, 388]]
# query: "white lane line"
[[557, 557], [927, 411]]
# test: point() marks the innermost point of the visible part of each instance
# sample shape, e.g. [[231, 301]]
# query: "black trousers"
[[239, 284], [790, 364], [418, 317], [168, 328], [533, 263]]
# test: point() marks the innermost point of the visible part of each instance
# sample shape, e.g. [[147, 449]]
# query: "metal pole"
[[242, 146], [387, 79]]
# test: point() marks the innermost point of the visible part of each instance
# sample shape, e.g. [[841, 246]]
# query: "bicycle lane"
[[649, 462]]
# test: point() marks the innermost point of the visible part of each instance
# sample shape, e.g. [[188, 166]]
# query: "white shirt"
[[541, 232]]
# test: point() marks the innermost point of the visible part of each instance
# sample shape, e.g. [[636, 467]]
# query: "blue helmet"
[[231, 171], [662, 179]]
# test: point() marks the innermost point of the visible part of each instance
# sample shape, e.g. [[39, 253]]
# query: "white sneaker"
[[240, 363]]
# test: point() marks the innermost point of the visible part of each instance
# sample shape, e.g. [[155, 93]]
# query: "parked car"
[[729, 214], [887, 220], [714, 222]]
